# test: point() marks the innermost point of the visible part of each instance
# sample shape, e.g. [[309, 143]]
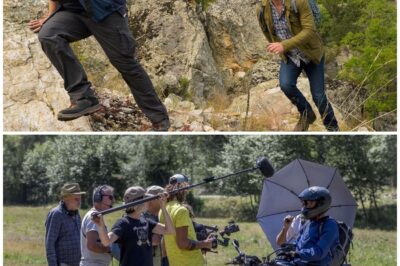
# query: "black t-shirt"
[[134, 238]]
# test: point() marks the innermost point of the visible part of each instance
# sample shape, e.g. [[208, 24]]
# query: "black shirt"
[[134, 238]]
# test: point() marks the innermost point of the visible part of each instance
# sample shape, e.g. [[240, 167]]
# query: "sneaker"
[[78, 109], [163, 125], [306, 119]]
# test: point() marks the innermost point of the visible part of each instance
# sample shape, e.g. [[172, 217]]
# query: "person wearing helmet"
[[182, 248], [319, 238]]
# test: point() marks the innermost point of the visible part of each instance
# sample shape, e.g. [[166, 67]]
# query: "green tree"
[[368, 28], [14, 149]]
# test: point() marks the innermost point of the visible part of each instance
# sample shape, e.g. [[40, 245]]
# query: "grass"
[[24, 240], [219, 102]]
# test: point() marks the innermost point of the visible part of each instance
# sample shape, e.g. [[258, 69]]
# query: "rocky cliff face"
[[193, 56]]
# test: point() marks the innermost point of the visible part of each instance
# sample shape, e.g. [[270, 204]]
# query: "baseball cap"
[[134, 193], [155, 190]]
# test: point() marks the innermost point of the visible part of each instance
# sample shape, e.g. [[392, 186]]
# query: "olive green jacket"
[[301, 25]]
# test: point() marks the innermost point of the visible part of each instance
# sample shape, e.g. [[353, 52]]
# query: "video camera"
[[204, 231]]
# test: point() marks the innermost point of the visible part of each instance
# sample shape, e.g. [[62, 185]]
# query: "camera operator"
[[291, 229], [93, 252], [182, 248], [319, 238]]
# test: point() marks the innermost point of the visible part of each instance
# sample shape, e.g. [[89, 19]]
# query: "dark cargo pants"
[[117, 42]]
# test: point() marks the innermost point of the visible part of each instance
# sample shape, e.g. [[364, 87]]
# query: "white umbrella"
[[280, 195]]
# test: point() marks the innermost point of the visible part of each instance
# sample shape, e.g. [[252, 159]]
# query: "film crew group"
[[68, 21], [290, 27], [71, 243]]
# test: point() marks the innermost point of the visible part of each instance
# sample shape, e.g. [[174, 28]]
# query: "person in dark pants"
[[293, 35], [69, 21]]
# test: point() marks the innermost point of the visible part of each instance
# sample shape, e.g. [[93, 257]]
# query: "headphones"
[[97, 193]]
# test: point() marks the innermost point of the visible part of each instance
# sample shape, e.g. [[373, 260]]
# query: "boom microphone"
[[265, 167], [262, 164]]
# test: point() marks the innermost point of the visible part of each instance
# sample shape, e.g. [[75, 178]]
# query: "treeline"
[[36, 166]]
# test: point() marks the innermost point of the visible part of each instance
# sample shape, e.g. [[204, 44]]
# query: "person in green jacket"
[[292, 33]]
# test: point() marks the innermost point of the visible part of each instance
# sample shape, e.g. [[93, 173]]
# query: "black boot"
[[163, 125], [306, 119], [79, 108]]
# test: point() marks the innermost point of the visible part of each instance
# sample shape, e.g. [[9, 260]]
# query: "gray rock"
[[171, 39]]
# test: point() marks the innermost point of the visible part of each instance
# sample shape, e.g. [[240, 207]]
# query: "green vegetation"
[[368, 28], [24, 240], [184, 83], [204, 3]]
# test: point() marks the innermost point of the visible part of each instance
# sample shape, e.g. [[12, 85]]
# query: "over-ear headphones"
[[98, 193]]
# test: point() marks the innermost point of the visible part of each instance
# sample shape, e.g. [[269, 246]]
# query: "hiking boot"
[[79, 108], [332, 128], [163, 125], [306, 119]]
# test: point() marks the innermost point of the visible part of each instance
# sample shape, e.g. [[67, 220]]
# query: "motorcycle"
[[282, 257]]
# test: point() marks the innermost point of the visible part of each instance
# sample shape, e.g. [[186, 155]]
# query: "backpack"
[[339, 255], [314, 8]]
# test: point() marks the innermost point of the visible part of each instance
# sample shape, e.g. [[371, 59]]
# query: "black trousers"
[[118, 44]]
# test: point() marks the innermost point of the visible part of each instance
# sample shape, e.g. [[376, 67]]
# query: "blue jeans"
[[288, 75]]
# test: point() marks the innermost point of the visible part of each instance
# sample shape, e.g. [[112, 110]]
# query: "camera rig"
[[204, 232]]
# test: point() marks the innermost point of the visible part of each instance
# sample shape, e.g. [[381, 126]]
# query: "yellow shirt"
[[176, 256]]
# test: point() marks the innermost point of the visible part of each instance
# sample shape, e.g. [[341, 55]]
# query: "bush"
[[236, 208], [195, 202], [221, 210], [244, 212]]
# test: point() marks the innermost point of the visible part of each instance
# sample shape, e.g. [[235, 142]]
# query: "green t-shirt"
[[176, 256]]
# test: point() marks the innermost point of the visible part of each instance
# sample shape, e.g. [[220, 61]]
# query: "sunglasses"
[[111, 197]]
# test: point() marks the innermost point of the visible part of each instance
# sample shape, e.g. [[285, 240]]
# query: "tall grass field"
[[24, 232]]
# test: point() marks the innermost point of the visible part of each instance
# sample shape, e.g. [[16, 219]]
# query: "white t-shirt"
[[294, 230], [90, 258]]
